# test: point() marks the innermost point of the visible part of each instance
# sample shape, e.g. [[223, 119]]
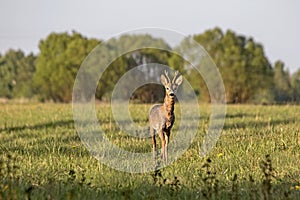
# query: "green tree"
[[135, 56], [25, 72], [283, 89], [295, 83], [259, 74], [242, 63], [16, 72], [61, 55]]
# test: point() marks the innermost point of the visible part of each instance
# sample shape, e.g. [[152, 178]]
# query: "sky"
[[273, 23]]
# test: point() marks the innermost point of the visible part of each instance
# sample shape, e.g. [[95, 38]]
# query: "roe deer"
[[161, 117]]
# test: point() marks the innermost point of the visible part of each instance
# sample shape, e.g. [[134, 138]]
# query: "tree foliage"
[[16, 71], [58, 62], [295, 83], [134, 56], [247, 74], [242, 63], [283, 89]]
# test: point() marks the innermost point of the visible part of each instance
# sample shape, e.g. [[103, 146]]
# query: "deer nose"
[[172, 94]]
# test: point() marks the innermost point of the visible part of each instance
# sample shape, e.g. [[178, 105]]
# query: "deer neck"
[[169, 106]]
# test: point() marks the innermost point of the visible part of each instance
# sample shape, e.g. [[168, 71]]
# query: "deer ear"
[[163, 80], [178, 80]]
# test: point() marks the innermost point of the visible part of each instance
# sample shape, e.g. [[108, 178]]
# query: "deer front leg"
[[152, 133], [163, 145], [166, 146]]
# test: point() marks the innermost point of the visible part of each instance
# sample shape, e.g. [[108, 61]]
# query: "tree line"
[[248, 75]]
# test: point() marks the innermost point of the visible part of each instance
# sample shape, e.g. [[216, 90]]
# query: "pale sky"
[[272, 23]]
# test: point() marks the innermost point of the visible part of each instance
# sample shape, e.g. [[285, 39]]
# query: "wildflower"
[[220, 154], [296, 187]]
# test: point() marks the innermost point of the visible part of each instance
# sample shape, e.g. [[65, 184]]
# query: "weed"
[[209, 182], [267, 169], [234, 188], [10, 177]]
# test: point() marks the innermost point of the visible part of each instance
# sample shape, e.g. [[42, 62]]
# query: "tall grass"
[[256, 157]]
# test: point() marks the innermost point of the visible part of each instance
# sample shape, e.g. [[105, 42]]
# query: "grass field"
[[256, 157]]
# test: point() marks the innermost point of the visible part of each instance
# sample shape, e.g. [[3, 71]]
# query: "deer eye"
[[167, 88]]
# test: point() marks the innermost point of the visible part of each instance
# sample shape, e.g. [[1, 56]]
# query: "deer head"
[[171, 86]]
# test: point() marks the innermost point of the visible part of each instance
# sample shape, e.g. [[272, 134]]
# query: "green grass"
[[257, 156]]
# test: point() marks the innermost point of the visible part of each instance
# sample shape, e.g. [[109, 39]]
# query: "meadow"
[[256, 157]]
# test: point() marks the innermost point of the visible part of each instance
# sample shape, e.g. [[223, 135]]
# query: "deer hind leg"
[[152, 133]]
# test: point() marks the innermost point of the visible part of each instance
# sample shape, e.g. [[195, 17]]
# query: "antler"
[[175, 76], [166, 74]]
